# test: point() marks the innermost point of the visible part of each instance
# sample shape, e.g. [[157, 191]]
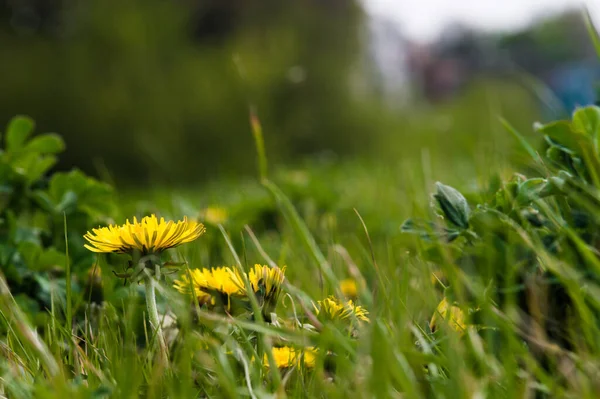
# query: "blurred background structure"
[[159, 91]]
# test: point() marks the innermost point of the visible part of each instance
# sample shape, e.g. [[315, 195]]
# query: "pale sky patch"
[[424, 20]]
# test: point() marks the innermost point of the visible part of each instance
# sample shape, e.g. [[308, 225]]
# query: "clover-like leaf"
[[453, 204], [17, 132]]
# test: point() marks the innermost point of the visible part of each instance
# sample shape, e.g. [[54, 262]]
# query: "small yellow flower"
[[333, 309], [185, 287], [220, 279], [349, 288], [452, 314], [147, 236], [267, 280], [214, 215], [286, 357]]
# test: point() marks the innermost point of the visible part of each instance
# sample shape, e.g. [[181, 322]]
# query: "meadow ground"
[[336, 226]]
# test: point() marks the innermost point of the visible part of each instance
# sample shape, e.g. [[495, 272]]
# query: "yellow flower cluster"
[[221, 279], [265, 281], [349, 288], [149, 235], [286, 357], [332, 308], [216, 286], [452, 314]]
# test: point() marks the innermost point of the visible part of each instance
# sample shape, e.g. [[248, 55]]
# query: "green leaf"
[[428, 230], [31, 166], [453, 204], [92, 196], [581, 144], [562, 135], [531, 190], [583, 194], [487, 222], [558, 157], [27, 234], [68, 203], [19, 129], [62, 182], [30, 252], [592, 31], [46, 144], [587, 120], [43, 200], [51, 258], [39, 168]]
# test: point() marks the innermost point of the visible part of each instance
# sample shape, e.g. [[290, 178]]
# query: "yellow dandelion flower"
[[214, 215], [220, 279], [333, 309], [147, 236], [267, 280], [349, 288], [452, 314], [286, 357], [185, 287]]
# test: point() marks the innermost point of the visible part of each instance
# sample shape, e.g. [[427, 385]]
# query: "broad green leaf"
[[46, 144], [453, 204], [587, 120], [562, 134], [43, 200], [92, 196], [51, 258], [585, 195], [62, 182], [30, 252], [19, 129], [558, 157], [27, 233], [39, 168], [98, 198], [485, 222], [68, 202], [31, 166]]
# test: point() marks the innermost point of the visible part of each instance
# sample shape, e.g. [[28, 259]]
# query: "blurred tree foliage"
[[541, 47], [159, 90]]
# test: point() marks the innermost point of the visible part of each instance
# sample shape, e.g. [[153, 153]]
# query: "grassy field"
[[521, 318]]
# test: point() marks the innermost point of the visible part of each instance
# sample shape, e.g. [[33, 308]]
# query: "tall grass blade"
[[27, 334], [592, 31], [69, 293]]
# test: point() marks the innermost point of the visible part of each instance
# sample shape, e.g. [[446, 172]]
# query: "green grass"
[[327, 221]]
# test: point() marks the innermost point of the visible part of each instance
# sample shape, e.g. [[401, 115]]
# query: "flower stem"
[[154, 320]]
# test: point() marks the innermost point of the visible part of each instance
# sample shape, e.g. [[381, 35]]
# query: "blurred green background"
[[158, 92], [161, 89]]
